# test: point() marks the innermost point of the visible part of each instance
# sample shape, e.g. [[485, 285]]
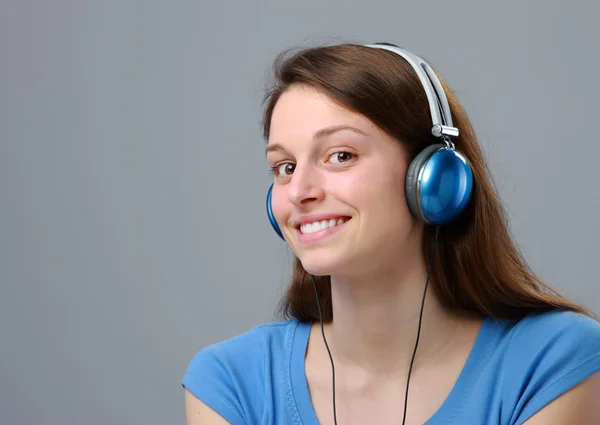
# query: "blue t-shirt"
[[514, 369]]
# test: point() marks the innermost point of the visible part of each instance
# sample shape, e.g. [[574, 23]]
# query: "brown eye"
[[341, 157], [285, 168]]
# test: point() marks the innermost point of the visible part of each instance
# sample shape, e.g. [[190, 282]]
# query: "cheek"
[[280, 205], [383, 195], [381, 182]]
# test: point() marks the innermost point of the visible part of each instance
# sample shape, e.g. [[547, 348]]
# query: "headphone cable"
[[437, 232], [326, 346]]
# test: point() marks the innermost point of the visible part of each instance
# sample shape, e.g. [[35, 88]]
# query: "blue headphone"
[[439, 181]]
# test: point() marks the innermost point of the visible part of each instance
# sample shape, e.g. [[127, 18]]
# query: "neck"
[[376, 319]]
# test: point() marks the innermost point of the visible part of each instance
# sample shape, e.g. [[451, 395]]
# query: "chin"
[[324, 263]]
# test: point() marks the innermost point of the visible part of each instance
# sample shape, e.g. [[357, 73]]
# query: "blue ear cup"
[[439, 185], [271, 215]]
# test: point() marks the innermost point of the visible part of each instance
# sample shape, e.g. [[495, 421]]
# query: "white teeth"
[[320, 225]]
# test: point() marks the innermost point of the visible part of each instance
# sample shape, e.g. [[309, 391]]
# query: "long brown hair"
[[478, 268]]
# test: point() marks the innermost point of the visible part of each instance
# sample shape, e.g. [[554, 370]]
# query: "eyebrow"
[[321, 134]]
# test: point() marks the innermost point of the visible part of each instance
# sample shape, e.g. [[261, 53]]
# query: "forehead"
[[301, 111]]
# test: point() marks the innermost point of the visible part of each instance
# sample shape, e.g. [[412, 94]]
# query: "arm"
[[219, 386], [580, 405], [198, 413], [552, 371]]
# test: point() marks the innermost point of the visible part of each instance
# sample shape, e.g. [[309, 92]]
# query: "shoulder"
[[245, 348], [547, 354], [230, 376], [557, 322], [547, 338]]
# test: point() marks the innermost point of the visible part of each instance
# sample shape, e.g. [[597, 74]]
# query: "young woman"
[[409, 302]]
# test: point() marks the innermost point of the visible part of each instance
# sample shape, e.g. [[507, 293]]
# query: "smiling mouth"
[[317, 226]]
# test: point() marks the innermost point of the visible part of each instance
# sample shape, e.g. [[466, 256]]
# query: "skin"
[[329, 160]]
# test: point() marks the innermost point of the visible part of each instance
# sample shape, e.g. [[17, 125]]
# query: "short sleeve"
[[208, 377], [549, 355]]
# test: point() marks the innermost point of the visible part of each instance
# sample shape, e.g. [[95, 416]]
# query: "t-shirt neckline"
[[473, 367]]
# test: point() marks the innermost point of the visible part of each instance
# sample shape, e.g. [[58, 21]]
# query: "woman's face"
[[338, 192]]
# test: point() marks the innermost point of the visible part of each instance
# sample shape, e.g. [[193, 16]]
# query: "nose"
[[304, 187]]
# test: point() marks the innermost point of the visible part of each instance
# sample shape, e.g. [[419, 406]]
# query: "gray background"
[[132, 174]]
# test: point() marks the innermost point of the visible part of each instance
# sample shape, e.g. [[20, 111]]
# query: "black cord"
[[437, 232], [326, 346]]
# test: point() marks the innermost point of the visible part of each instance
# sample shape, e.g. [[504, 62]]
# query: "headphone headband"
[[441, 117]]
